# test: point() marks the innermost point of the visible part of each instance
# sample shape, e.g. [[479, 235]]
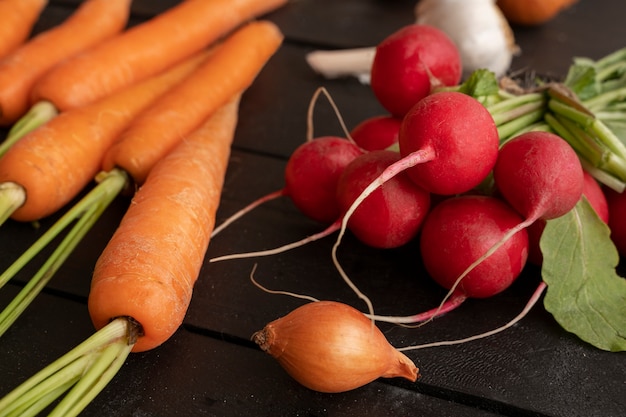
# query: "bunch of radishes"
[[440, 168]]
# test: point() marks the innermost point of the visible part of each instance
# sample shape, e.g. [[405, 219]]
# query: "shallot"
[[331, 347]]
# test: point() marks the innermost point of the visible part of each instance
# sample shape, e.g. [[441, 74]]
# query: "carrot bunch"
[[179, 119], [139, 304]]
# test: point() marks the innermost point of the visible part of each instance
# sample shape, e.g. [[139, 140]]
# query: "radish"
[[377, 132], [461, 229], [311, 177], [540, 175], [392, 215], [409, 63], [452, 137], [617, 222], [455, 234], [594, 194], [312, 173], [458, 140]]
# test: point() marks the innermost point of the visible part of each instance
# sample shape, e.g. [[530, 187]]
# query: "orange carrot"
[[54, 162], [146, 49], [93, 22], [17, 18], [149, 267], [231, 69]]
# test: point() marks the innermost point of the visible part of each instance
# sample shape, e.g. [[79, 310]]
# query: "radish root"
[[309, 118], [529, 305]]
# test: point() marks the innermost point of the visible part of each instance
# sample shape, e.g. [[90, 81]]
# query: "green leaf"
[[480, 84], [585, 295], [581, 79]]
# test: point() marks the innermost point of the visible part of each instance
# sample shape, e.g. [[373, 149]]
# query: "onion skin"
[[331, 347], [532, 12]]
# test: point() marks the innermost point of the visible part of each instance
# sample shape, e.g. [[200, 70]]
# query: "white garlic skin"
[[477, 27]]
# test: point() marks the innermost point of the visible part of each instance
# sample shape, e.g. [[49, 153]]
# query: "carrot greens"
[[86, 369], [38, 115], [85, 213]]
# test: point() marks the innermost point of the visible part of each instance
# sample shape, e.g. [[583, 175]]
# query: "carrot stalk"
[[93, 22], [180, 225], [146, 49], [12, 196], [48, 384], [85, 214], [17, 19], [39, 114]]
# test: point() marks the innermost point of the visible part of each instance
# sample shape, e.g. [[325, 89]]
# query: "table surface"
[[210, 367]]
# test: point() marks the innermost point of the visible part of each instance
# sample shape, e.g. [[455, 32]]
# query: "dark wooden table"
[[210, 367]]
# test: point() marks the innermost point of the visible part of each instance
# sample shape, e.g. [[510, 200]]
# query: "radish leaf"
[[585, 294]]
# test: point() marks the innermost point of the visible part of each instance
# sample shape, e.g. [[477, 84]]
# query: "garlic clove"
[[356, 62], [331, 347]]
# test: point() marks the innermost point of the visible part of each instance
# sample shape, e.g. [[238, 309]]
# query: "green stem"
[[87, 211], [517, 112], [514, 102], [96, 360], [38, 115], [520, 124], [591, 124], [601, 101], [94, 380], [12, 196]]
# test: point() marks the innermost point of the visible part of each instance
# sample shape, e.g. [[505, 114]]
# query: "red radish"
[[455, 234], [617, 221], [311, 177], [594, 194], [389, 219], [392, 215], [458, 138], [377, 132], [540, 175], [409, 63], [461, 229], [312, 174], [453, 136]]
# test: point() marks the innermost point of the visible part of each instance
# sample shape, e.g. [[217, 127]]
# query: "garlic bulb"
[[477, 27], [331, 347]]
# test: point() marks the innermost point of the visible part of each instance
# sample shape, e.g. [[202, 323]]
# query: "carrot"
[[141, 287], [93, 22], [148, 269], [17, 20], [146, 49], [231, 69], [54, 162]]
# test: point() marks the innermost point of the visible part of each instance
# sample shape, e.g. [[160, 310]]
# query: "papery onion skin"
[[331, 347]]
